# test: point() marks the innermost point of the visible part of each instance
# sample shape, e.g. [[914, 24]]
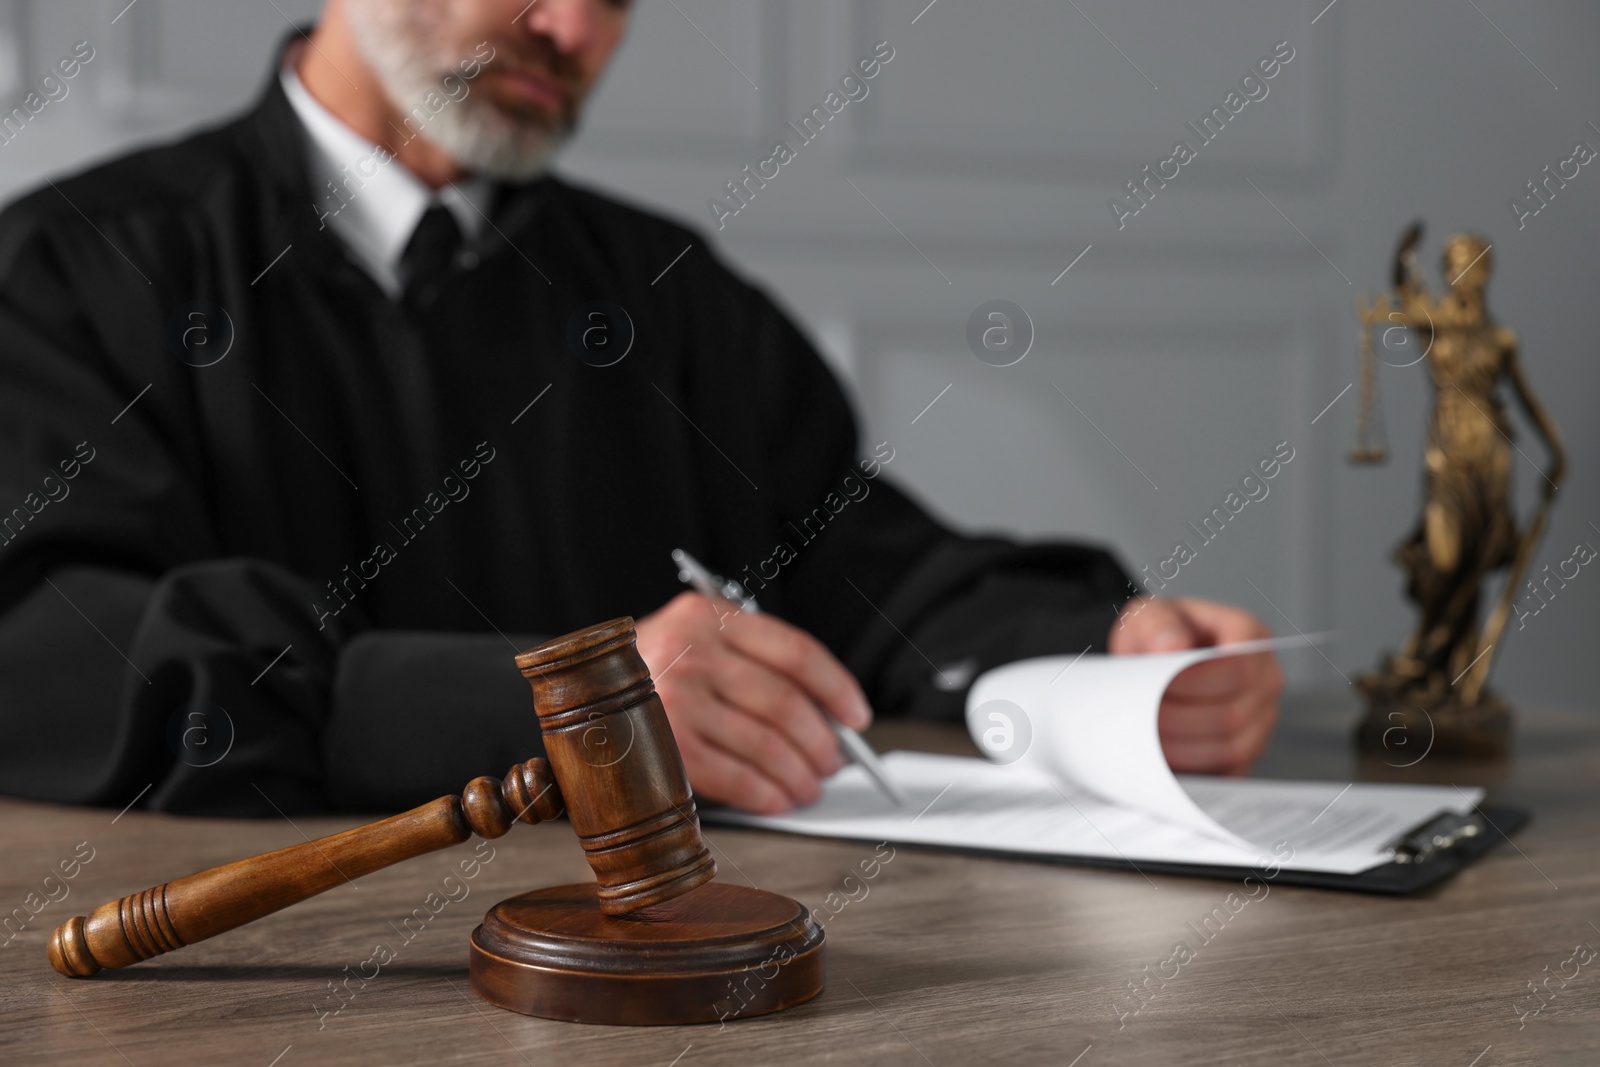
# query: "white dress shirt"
[[371, 205]]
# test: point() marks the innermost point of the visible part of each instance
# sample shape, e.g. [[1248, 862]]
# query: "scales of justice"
[[1434, 689]]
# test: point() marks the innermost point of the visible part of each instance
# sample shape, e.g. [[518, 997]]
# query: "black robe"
[[361, 482]]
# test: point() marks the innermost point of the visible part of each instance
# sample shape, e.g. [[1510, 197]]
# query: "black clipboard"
[[1388, 879]]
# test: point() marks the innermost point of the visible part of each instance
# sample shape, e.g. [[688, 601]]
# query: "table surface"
[[947, 959]]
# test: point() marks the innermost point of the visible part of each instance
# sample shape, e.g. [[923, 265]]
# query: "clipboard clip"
[[1436, 836]]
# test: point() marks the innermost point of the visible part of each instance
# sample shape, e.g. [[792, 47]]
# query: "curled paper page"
[[1090, 720]]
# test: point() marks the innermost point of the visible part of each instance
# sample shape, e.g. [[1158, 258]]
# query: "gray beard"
[[394, 37], [485, 141]]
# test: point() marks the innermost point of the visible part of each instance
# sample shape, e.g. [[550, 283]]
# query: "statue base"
[[1408, 721], [717, 953]]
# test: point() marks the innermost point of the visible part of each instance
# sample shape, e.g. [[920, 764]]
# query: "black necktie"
[[429, 255]]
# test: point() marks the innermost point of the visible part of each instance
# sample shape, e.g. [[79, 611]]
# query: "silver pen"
[[692, 572]]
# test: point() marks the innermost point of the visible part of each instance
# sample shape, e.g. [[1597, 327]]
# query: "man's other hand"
[[1217, 716], [746, 695]]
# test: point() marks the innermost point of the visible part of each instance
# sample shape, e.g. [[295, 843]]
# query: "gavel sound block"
[[653, 940]]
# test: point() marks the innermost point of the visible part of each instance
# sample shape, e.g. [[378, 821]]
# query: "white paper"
[[1093, 723], [969, 803], [1088, 779]]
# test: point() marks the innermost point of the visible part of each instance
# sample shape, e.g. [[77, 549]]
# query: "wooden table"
[[946, 960]]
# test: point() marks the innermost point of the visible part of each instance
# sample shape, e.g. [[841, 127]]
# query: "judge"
[[304, 433]]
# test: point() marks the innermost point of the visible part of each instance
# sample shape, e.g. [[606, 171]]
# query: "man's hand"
[[1216, 716], [746, 695]]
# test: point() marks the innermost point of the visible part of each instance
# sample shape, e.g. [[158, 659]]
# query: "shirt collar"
[[369, 200]]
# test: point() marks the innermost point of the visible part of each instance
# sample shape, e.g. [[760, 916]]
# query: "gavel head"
[[617, 766]]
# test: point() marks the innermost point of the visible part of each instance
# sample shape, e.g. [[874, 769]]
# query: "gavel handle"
[[198, 906]]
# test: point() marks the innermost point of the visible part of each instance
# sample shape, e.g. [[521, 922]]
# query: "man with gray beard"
[[295, 338]]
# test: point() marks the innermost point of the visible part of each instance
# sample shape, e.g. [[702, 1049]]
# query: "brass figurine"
[[1434, 690]]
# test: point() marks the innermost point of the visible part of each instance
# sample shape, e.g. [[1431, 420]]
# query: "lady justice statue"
[[1432, 694]]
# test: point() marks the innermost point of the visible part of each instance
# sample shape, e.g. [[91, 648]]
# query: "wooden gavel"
[[631, 809]]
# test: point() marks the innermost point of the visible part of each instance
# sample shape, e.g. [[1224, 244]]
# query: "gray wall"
[[1177, 351]]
